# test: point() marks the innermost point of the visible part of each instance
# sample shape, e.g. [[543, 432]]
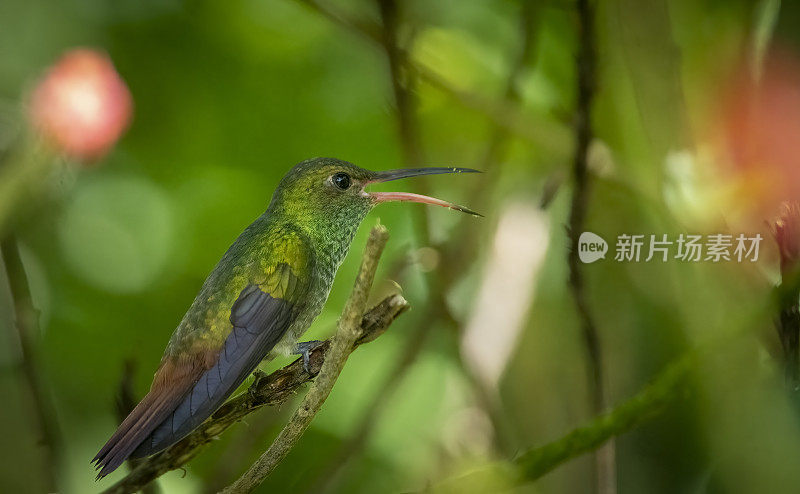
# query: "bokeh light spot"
[[117, 233]]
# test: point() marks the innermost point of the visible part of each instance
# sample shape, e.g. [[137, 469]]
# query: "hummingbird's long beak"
[[389, 175]]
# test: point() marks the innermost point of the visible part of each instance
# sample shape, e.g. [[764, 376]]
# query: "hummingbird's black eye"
[[341, 180]]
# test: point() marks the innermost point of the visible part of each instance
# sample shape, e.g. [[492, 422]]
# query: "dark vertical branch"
[[405, 103], [27, 325], [586, 71], [402, 83], [580, 195]]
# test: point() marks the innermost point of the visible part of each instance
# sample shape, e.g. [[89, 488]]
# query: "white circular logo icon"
[[591, 247]]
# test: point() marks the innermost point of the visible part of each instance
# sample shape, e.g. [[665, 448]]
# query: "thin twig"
[[458, 250], [402, 84], [273, 389], [605, 463], [545, 134], [341, 346], [27, 325]]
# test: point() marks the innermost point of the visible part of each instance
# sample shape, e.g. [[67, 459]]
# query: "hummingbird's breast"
[[329, 248], [207, 322]]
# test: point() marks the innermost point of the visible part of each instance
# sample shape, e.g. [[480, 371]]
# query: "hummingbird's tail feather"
[[173, 380]]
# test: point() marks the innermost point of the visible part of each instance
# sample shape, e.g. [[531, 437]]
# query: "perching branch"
[[27, 325], [342, 344], [586, 65], [273, 389]]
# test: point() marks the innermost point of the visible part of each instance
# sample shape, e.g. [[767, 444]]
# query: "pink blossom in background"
[[82, 106], [759, 132]]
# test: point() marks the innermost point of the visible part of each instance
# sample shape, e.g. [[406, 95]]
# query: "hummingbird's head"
[[334, 191]]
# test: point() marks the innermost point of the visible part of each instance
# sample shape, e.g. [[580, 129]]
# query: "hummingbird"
[[264, 293]]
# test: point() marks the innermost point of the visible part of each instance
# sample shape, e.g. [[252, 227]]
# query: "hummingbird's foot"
[[305, 348]]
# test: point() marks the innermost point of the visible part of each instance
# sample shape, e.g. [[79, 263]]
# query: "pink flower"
[[82, 106], [759, 131]]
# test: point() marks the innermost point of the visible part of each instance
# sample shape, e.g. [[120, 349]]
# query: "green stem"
[[649, 403], [21, 175], [27, 324], [643, 407]]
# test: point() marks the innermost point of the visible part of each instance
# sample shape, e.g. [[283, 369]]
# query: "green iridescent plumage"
[[259, 299], [301, 237]]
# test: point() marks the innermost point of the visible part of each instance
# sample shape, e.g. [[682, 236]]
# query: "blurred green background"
[[229, 95]]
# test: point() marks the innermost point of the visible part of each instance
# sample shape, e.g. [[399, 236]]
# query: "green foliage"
[[229, 95]]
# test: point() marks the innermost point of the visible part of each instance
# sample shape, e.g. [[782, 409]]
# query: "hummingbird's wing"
[[259, 321], [188, 388]]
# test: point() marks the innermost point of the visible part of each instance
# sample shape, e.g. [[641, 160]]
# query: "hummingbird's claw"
[[304, 348]]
